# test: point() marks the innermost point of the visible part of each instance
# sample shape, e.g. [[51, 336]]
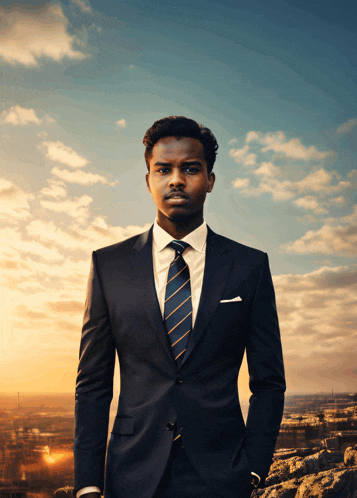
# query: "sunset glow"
[[82, 82]]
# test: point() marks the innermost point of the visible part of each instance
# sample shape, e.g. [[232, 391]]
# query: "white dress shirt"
[[194, 256], [162, 256]]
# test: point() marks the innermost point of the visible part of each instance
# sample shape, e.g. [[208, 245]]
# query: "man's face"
[[178, 180]]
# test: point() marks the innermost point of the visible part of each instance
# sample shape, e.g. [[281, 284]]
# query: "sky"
[[81, 82]]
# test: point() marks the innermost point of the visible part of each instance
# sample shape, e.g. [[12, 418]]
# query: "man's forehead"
[[178, 145]]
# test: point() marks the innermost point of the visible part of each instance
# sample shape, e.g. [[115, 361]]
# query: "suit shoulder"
[[243, 251], [119, 249]]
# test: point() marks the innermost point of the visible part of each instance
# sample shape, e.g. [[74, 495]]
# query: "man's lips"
[[176, 195]]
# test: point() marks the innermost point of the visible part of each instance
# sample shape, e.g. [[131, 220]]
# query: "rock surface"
[[350, 457], [283, 470], [326, 474], [66, 492]]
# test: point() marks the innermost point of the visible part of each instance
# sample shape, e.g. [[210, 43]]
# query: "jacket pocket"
[[123, 426]]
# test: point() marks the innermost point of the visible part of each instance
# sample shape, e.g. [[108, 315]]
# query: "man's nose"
[[177, 178]]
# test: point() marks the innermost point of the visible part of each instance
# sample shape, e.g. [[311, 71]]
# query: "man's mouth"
[[176, 195]]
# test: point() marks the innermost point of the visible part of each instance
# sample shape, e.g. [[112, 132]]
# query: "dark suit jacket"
[[122, 313]]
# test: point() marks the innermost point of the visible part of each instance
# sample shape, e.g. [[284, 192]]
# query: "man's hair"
[[179, 126]]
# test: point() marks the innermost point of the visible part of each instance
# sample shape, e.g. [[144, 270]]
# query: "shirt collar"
[[196, 239]]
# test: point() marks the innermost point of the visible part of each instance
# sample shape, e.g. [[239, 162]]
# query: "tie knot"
[[179, 246]]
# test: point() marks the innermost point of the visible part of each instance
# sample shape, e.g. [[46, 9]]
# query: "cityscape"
[[36, 436]]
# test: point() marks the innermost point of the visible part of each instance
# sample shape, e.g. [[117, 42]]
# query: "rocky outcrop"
[[334, 483], [350, 457], [283, 470], [66, 492], [326, 474]]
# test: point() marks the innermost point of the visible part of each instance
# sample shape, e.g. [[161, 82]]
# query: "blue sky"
[[274, 81]]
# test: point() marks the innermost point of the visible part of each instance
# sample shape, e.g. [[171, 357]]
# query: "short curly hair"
[[180, 126]]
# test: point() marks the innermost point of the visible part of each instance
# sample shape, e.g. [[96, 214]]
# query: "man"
[[180, 305]]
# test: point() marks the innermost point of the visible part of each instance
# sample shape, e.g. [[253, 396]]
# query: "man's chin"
[[180, 215]]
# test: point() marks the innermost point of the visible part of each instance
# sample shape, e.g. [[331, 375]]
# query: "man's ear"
[[147, 176], [211, 180]]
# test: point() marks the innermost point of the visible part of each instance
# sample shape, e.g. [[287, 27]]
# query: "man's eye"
[[162, 170], [191, 169]]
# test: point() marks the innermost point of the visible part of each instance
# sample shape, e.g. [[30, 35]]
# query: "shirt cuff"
[[87, 489], [253, 474]]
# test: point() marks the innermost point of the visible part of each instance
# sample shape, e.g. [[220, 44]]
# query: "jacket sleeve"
[[266, 376], [94, 388]]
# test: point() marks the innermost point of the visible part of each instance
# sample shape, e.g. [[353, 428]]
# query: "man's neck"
[[178, 229]]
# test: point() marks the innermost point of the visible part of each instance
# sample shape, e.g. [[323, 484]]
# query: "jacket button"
[[170, 426], [179, 382]]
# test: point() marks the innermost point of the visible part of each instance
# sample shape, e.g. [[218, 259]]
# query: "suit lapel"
[[218, 263], [143, 247]]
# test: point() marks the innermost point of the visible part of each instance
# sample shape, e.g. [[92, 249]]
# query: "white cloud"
[[335, 240], [80, 177], [13, 243], [56, 189], [310, 203], [293, 148], [84, 6], [57, 151], [279, 190], [267, 169], [316, 311], [347, 126], [241, 183], [321, 183], [18, 115], [77, 208], [34, 32], [14, 202], [243, 156], [121, 123], [338, 201]]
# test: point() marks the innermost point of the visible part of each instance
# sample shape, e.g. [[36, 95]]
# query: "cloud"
[[335, 240], [13, 243], [242, 183], [322, 183], [57, 151], [80, 177], [347, 126], [310, 203], [293, 148], [49, 119], [14, 202], [77, 208], [84, 6], [75, 237], [46, 240], [339, 201], [316, 311], [33, 32], [267, 169], [279, 190], [121, 123], [56, 189], [243, 156], [17, 115]]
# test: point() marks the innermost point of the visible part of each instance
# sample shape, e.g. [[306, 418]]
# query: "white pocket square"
[[238, 298]]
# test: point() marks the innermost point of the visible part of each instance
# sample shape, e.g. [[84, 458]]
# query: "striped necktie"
[[178, 304]]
